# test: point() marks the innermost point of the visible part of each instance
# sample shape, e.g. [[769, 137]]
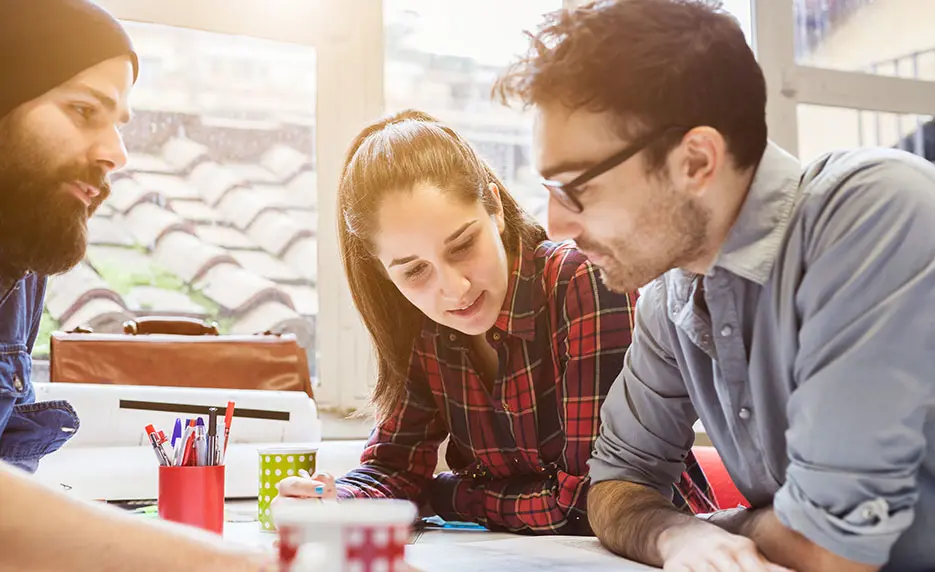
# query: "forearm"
[[782, 545], [630, 519], [373, 480], [525, 503], [45, 530]]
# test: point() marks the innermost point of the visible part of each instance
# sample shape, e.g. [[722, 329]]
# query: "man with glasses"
[[789, 307]]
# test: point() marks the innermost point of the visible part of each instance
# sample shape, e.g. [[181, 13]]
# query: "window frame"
[[790, 84], [349, 35], [345, 35]]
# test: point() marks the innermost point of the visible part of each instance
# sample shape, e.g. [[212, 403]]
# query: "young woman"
[[486, 334]]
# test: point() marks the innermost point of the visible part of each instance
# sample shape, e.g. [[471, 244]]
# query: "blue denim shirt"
[[28, 430]]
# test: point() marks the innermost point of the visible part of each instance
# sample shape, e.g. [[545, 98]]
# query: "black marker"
[[212, 435]]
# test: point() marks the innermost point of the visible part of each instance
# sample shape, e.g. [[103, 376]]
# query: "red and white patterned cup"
[[355, 535]]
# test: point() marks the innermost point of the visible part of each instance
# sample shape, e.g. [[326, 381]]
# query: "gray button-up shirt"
[[812, 366]]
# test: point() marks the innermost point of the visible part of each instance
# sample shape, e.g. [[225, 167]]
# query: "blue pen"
[[177, 431], [177, 440]]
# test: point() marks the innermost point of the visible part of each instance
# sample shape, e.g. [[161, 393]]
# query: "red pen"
[[188, 458], [156, 442], [188, 445], [228, 417]]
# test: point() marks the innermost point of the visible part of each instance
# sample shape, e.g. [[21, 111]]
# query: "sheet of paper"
[[520, 554]]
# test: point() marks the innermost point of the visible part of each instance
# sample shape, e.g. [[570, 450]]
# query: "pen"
[[176, 431], [201, 450], [182, 457], [212, 435], [228, 419], [177, 440], [157, 446], [188, 455]]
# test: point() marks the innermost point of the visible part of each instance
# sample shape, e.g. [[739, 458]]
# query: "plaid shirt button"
[[496, 336]]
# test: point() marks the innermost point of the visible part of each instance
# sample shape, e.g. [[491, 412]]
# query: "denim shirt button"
[[17, 382]]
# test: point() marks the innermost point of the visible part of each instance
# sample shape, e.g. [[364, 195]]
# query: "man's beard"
[[43, 226], [676, 233]]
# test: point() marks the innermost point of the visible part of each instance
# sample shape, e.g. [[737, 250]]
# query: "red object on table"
[[725, 491], [193, 496]]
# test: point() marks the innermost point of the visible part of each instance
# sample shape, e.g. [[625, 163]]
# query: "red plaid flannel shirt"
[[519, 453]]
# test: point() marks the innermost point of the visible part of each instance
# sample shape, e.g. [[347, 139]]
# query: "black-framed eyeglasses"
[[567, 193]]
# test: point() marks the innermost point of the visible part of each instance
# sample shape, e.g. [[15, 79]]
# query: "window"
[[824, 59], [245, 110], [822, 129], [215, 215], [444, 57], [884, 38], [741, 9], [885, 96]]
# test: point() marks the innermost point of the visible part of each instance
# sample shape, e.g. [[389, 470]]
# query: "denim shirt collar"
[[756, 236]]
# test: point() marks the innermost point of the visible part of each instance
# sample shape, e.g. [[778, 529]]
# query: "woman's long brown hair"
[[393, 155]]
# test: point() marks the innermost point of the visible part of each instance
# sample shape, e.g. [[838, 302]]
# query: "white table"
[[242, 527], [518, 553]]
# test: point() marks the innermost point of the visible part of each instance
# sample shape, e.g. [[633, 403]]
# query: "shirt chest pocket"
[[15, 372]]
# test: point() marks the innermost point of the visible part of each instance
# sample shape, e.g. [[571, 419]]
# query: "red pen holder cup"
[[193, 496]]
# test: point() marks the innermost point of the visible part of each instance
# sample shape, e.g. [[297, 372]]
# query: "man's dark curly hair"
[[652, 64]]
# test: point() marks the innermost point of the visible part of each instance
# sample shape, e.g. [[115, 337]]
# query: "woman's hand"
[[321, 486]]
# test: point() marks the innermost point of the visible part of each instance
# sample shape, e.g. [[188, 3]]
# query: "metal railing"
[[815, 21], [907, 66]]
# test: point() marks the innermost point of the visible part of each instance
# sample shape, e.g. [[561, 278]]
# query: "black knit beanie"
[[44, 43]]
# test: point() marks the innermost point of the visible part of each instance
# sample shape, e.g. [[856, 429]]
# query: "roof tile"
[[101, 315], [277, 318], [149, 223], [108, 231], [126, 193], [120, 266], [213, 181], [189, 257], [303, 257], [225, 237], [304, 298], [169, 186], [303, 190], [307, 219], [152, 300], [237, 290], [285, 162], [251, 172], [276, 231], [146, 163], [242, 206], [262, 264], [196, 211], [182, 154], [70, 291]]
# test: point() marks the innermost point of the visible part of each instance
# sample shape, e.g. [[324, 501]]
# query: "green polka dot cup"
[[277, 463]]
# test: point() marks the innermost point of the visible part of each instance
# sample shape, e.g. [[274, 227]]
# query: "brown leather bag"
[[179, 352]]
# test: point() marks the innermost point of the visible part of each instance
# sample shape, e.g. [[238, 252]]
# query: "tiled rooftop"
[[188, 233], [217, 219]]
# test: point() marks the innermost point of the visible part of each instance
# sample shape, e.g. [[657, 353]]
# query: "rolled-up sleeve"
[[646, 420], [865, 365]]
